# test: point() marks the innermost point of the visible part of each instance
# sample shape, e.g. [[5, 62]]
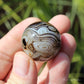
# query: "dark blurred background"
[[14, 11]]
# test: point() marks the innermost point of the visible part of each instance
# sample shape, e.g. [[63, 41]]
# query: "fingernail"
[[21, 64]]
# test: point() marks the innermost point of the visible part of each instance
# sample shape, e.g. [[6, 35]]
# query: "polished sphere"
[[41, 41]]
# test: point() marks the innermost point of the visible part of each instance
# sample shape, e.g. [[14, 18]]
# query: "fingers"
[[61, 22], [58, 69], [10, 44], [43, 76], [24, 70], [68, 44]]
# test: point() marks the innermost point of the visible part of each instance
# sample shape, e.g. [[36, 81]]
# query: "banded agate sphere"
[[41, 41]]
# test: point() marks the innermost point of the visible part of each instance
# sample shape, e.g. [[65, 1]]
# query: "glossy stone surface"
[[41, 41]]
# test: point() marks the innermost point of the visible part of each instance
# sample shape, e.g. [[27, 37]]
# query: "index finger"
[[12, 40], [10, 44]]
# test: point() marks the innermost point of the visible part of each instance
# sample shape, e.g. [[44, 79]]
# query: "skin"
[[17, 68]]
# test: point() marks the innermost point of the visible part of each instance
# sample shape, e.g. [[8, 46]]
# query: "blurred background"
[[14, 11]]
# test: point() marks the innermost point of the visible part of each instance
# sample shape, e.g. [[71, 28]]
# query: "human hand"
[[17, 68]]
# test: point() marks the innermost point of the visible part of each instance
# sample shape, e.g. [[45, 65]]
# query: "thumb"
[[24, 70]]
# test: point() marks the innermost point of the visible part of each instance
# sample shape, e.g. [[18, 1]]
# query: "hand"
[[17, 68]]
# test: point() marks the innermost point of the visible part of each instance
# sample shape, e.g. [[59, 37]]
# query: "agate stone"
[[41, 41]]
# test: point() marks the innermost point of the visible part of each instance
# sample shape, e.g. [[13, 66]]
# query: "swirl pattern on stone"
[[41, 41]]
